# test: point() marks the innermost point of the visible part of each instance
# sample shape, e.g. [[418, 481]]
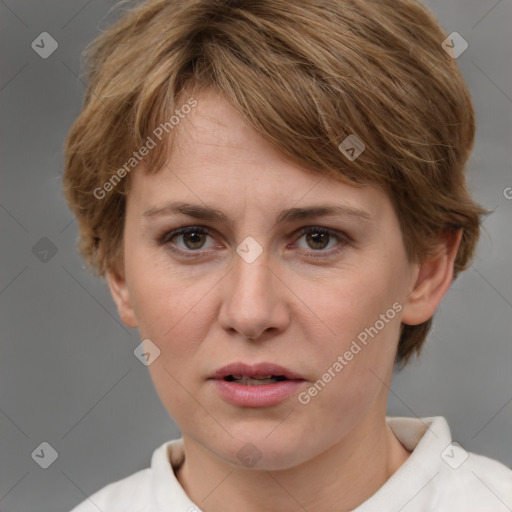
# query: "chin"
[[274, 452]]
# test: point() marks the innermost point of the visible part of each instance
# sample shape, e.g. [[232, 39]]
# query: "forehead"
[[217, 157]]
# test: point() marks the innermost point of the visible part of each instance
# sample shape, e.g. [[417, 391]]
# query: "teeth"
[[257, 381], [257, 377]]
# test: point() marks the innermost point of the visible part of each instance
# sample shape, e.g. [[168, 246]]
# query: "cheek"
[[354, 301], [175, 313], [361, 311], [174, 309], [350, 373]]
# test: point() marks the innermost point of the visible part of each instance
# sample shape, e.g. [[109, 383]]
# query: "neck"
[[340, 478]]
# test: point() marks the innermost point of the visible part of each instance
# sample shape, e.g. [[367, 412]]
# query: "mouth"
[[261, 385], [255, 375], [255, 381]]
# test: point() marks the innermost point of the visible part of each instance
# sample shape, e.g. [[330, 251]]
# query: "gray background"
[[68, 373]]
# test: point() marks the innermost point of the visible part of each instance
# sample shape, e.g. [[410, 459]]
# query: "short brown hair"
[[305, 74]]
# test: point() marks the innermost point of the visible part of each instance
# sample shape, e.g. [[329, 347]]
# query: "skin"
[[301, 312]]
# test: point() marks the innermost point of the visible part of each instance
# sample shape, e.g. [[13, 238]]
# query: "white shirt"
[[438, 476]]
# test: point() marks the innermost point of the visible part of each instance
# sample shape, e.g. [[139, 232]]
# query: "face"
[[303, 288]]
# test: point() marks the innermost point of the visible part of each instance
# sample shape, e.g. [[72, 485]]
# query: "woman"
[[275, 192]]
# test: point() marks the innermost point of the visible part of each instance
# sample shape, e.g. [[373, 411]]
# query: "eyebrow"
[[291, 214]]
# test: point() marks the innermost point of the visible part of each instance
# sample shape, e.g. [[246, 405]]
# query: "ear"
[[432, 281], [121, 295]]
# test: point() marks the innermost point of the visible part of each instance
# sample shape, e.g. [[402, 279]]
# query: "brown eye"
[[317, 240], [193, 239], [189, 239], [321, 242]]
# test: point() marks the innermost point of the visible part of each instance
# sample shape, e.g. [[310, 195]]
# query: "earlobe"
[[121, 295], [433, 280]]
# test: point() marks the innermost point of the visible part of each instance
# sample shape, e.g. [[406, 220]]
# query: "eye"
[[318, 239], [190, 241], [192, 237]]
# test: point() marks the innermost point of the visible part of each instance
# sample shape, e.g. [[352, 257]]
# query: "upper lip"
[[255, 370]]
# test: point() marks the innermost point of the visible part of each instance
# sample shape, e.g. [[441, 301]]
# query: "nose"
[[254, 299]]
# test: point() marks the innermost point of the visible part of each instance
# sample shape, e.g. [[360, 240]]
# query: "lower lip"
[[263, 395]]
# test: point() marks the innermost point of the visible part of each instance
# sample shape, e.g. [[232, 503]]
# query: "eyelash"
[[168, 236]]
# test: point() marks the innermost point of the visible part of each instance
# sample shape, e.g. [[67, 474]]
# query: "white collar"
[[425, 437]]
